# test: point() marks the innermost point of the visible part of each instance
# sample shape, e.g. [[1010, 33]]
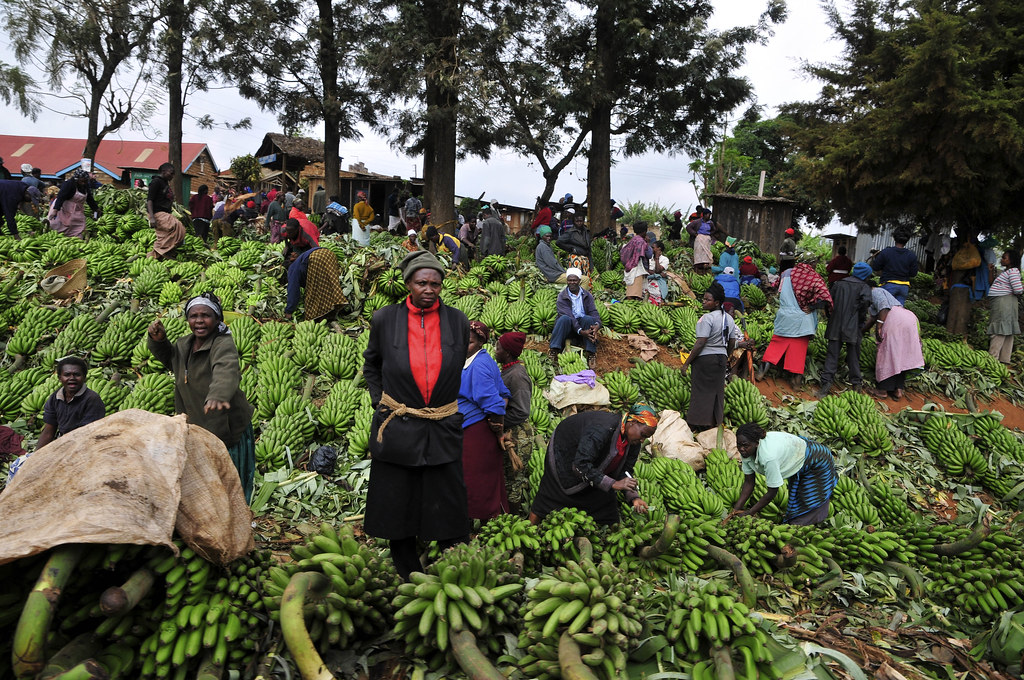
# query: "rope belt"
[[398, 409]]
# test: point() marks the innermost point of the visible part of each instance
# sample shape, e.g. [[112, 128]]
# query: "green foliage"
[[246, 169], [649, 212], [920, 121]]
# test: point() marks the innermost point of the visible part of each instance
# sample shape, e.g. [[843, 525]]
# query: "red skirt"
[[483, 467], [794, 350]]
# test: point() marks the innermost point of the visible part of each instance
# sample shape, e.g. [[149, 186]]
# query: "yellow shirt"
[[363, 213]]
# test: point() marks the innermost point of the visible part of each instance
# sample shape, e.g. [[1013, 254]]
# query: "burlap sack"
[[709, 440], [673, 439], [563, 394], [132, 477]]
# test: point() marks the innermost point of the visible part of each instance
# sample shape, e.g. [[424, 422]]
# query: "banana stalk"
[[28, 650], [90, 669], [569, 660], [723, 663], [833, 580], [118, 600], [471, 660], [73, 653], [914, 581], [208, 669], [975, 538], [293, 623], [584, 547], [739, 570], [664, 542]]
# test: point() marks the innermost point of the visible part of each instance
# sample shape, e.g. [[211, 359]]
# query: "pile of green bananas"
[[470, 305], [153, 392], [338, 357], [699, 283], [853, 548], [111, 393], [946, 441], [471, 587], [359, 434], [63, 251], [657, 324], [893, 511], [959, 356], [108, 261], [984, 580], [850, 497], [753, 297], [339, 409], [307, 342], [744, 404], [590, 603], [130, 611], [662, 386], [149, 282], [519, 317], [129, 224], [559, 528], [170, 294], [493, 314], [284, 435], [39, 321], [358, 604], [853, 418], [120, 337], [14, 388], [32, 404], [997, 438], [712, 630], [622, 391]]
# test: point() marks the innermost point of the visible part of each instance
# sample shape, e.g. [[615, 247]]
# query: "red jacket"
[[311, 231]]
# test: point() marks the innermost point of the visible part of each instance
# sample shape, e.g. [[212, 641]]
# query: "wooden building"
[[760, 219], [284, 158], [357, 178]]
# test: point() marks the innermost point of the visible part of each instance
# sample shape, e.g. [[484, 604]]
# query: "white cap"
[[411, 232], [26, 168], [574, 271], [728, 270]]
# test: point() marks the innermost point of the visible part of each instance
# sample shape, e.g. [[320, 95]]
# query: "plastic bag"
[[323, 460]]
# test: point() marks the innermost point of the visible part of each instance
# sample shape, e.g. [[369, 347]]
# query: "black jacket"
[[851, 298], [582, 446], [408, 440]]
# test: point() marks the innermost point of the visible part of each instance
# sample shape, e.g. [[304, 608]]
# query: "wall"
[[751, 218]]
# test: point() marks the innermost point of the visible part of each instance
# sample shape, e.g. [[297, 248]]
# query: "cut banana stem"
[[118, 600], [471, 660], [914, 580], [70, 655], [208, 670], [293, 623], [570, 661], [28, 650], [584, 547], [739, 570], [664, 542], [975, 538], [833, 579], [723, 663], [90, 669]]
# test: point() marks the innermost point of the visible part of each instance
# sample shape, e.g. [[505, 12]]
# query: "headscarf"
[[641, 413], [80, 174], [748, 259], [729, 242], [480, 329], [411, 232], [574, 271], [513, 343], [862, 270], [543, 230], [790, 232], [361, 194], [212, 302], [809, 287]]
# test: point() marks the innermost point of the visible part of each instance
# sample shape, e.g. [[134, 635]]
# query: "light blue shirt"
[[790, 320], [779, 456]]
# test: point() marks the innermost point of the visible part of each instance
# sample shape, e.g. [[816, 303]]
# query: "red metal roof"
[[56, 156]]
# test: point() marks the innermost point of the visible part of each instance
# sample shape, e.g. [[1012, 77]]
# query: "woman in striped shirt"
[[1005, 293]]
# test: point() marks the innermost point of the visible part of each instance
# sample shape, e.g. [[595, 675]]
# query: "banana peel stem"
[[118, 600], [570, 661], [664, 541], [739, 570], [471, 660], [293, 623]]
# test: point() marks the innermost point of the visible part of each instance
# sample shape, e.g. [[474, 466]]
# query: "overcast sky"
[[658, 178]]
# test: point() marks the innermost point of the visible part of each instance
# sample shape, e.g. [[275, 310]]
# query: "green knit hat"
[[420, 259]]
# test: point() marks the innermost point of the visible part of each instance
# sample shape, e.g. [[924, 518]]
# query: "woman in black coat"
[[413, 369], [590, 457]]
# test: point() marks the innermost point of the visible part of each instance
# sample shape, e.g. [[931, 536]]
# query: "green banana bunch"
[[120, 337], [470, 305], [625, 316], [32, 404], [493, 313], [853, 548], [471, 587], [153, 392], [744, 404], [374, 302], [611, 279], [339, 409], [657, 324], [558, 529], [359, 434], [307, 341], [249, 255], [482, 273], [113, 394], [699, 283], [535, 468], [570, 362], [519, 317], [130, 224], [228, 245], [278, 377], [536, 368], [185, 270], [108, 261], [286, 434], [723, 475], [497, 265], [469, 284], [272, 331], [892, 511], [150, 282], [78, 337], [170, 294], [390, 282], [757, 541], [997, 438], [540, 415], [662, 386], [38, 322], [245, 331], [338, 357], [358, 605], [948, 443], [868, 354], [753, 297], [545, 311], [512, 534], [516, 290], [224, 274], [593, 605], [832, 420], [621, 389], [848, 495], [63, 251]]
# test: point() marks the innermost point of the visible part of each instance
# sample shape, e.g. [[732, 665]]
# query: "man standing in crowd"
[[492, 235], [897, 266], [201, 208], [319, 201], [394, 212], [851, 298]]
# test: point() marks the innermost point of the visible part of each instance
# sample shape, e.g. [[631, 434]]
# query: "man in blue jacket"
[[577, 319]]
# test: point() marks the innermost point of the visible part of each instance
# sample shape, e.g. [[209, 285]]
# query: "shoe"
[[591, 360], [897, 395], [553, 355], [823, 391], [797, 381], [762, 371]]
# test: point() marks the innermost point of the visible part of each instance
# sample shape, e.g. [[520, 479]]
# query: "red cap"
[[250, 204], [748, 259], [790, 232]]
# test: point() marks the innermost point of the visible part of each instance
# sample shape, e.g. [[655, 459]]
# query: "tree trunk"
[[92, 136], [332, 106], [176, 102], [443, 21], [599, 188]]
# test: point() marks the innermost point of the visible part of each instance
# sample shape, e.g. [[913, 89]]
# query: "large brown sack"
[[133, 477]]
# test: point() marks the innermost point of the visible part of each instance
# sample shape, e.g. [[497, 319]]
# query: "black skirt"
[[428, 502], [707, 391], [603, 506]]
